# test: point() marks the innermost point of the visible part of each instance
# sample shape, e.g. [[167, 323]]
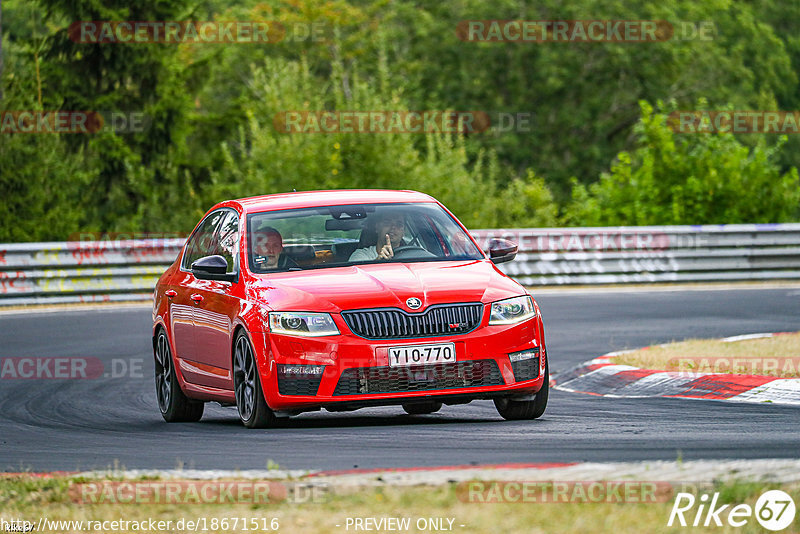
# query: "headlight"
[[302, 324], [512, 311]]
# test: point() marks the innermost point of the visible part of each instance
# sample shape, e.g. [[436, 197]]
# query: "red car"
[[287, 303]]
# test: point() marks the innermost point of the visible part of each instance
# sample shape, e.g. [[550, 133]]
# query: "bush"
[[264, 160], [701, 178]]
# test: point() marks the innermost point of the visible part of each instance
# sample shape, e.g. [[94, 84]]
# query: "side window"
[[203, 241], [228, 240]]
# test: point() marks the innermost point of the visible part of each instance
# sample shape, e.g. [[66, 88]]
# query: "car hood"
[[383, 286]]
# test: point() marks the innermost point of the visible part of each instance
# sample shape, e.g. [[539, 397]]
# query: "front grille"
[[364, 380], [438, 320], [526, 369]]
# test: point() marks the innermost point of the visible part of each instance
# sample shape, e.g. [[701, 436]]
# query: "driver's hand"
[[386, 251]]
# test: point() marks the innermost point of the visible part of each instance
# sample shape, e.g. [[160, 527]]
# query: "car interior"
[[331, 236]]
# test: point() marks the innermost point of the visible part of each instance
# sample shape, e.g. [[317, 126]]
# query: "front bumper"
[[349, 371]]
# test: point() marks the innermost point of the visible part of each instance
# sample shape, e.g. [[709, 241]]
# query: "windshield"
[[335, 236]]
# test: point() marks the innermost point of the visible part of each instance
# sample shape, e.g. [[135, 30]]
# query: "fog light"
[[528, 354], [300, 370]]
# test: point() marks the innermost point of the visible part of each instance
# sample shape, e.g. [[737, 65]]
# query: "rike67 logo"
[[774, 510]]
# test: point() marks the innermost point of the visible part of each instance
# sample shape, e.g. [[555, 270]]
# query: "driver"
[[268, 250], [390, 228]]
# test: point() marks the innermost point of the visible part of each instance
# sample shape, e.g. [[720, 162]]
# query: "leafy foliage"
[[596, 152], [265, 160], [701, 178]]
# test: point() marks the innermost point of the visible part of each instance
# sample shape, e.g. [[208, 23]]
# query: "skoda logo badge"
[[413, 303]]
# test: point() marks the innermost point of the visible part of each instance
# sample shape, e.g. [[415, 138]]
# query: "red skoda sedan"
[[288, 303]]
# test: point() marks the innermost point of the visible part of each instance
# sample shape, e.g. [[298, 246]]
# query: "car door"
[[200, 244], [215, 308]]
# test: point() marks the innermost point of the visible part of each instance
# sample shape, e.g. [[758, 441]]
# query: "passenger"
[[268, 250], [385, 233]]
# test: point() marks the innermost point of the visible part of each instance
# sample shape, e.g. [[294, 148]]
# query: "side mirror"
[[502, 250], [212, 268]]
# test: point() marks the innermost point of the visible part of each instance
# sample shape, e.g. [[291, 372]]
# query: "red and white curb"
[[602, 377]]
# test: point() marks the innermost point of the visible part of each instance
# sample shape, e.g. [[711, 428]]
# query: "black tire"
[[174, 405], [422, 408], [512, 410], [250, 401]]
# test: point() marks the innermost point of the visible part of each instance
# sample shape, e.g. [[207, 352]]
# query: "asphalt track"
[[111, 421]]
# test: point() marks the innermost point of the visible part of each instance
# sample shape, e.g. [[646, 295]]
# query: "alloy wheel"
[[163, 373], [244, 377]]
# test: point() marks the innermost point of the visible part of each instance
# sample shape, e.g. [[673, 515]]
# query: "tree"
[[146, 78], [584, 96], [262, 159], [699, 178]]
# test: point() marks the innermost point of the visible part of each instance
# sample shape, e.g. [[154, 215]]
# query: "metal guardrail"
[[93, 271], [83, 271], [642, 254]]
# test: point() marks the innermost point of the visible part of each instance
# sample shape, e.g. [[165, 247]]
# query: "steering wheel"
[[412, 251]]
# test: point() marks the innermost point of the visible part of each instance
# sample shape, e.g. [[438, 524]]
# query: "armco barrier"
[[94, 271], [83, 271], [641, 254]]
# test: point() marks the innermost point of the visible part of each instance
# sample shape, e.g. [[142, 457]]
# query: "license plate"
[[422, 354]]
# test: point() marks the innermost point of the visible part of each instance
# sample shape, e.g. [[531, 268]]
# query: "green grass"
[[31, 497], [777, 356]]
